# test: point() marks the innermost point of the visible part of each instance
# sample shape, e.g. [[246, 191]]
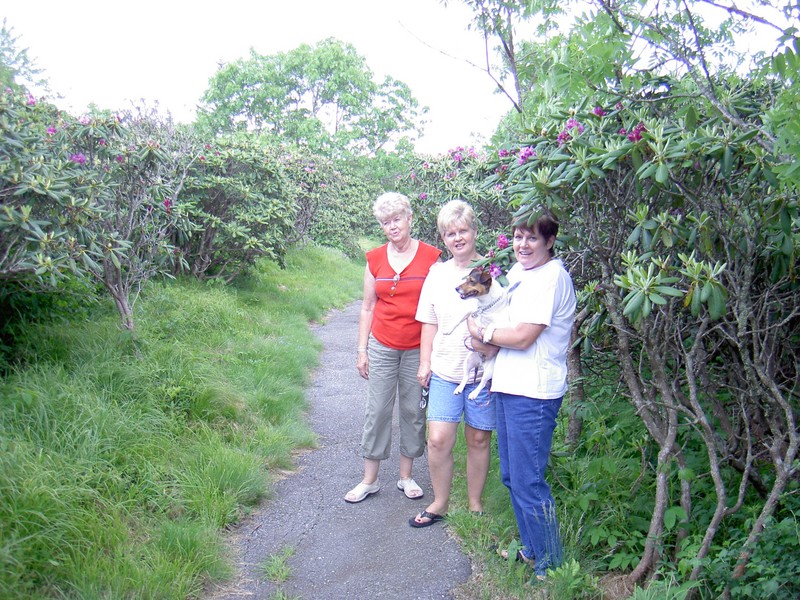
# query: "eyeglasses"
[[395, 279]]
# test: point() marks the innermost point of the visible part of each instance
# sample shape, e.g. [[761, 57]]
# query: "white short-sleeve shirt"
[[545, 296], [440, 305]]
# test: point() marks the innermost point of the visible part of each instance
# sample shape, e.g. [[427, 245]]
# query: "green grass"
[[122, 457], [275, 568]]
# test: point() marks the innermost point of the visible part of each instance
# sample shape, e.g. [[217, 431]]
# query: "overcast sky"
[[112, 53]]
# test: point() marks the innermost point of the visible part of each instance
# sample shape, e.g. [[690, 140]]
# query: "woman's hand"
[[424, 374], [474, 330], [363, 364], [477, 342]]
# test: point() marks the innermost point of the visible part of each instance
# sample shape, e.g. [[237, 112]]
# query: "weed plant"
[[123, 456]]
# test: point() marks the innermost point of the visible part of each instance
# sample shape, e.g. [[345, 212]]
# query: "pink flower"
[[423, 196], [636, 133], [573, 123], [563, 138], [31, 100], [51, 130], [498, 187], [79, 159], [119, 158], [598, 111], [502, 242], [495, 271], [525, 154], [502, 153], [101, 142]]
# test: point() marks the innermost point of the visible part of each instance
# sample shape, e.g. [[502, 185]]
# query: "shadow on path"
[[342, 550]]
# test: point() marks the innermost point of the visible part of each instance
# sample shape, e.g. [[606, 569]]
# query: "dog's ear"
[[485, 278]]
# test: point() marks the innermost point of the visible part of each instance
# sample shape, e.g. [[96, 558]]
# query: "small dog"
[[492, 302]]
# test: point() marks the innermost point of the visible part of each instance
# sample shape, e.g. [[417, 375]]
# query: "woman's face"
[[460, 240], [397, 228], [531, 249]]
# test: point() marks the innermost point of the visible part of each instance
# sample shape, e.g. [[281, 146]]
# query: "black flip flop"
[[433, 518]]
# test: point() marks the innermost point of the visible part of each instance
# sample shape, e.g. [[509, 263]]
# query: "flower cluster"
[[635, 134], [460, 153], [565, 135], [498, 260], [524, 154], [598, 111]]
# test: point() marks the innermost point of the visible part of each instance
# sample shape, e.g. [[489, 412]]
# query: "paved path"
[[342, 550]]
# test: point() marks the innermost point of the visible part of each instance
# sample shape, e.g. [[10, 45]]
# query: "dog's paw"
[[459, 389], [474, 394]]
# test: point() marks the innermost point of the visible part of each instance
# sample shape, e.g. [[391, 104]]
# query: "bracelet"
[[487, 336], [362, 349]]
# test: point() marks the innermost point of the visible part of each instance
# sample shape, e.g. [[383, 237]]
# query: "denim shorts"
[[444, 406]]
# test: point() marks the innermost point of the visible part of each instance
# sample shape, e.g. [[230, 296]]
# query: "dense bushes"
[[119, 199], [682, 237]]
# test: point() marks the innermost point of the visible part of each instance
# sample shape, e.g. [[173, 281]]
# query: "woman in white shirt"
[[530, 379], [442, 352]]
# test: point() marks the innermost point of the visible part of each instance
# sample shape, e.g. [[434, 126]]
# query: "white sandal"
[[407, 486], [362, 490]]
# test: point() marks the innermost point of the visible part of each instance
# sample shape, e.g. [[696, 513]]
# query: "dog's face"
[[476, 284]]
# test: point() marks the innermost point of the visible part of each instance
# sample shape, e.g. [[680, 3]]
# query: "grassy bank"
[[123, 457]]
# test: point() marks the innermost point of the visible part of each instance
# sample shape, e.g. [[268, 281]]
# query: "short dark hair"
[[545, 225]]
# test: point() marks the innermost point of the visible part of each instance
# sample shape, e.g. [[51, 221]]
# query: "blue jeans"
[[524, 437]]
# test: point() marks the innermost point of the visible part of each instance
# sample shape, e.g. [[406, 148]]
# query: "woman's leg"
[[441, 439], [529, 427], [478, 457], [376, 439], [412, 416], [480, 419]]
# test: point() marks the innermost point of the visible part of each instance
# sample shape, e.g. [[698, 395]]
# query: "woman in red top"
[[388, 346]]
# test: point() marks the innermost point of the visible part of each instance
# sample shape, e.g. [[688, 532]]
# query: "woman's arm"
[[365, 322], [519, 337], [425, 351]]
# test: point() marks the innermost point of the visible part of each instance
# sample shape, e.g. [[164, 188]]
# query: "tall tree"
[[324, 96]]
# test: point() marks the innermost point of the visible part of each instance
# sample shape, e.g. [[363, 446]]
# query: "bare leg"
[[441, 439], [371, 467], [478, 457], [406, 465]]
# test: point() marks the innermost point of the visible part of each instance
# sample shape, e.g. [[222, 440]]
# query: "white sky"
[[115, 52]]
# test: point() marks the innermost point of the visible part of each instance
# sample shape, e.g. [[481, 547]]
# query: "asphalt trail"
[[342, 550]]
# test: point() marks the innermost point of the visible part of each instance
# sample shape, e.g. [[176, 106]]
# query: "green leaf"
[[634, 236], [633, 303], [662, 173], [668, 291], [727, 161]]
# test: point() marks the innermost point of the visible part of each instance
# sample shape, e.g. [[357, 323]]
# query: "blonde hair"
[[390, 204], [456, 212]]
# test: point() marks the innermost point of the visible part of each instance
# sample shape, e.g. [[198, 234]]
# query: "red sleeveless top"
[[393, 319]]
